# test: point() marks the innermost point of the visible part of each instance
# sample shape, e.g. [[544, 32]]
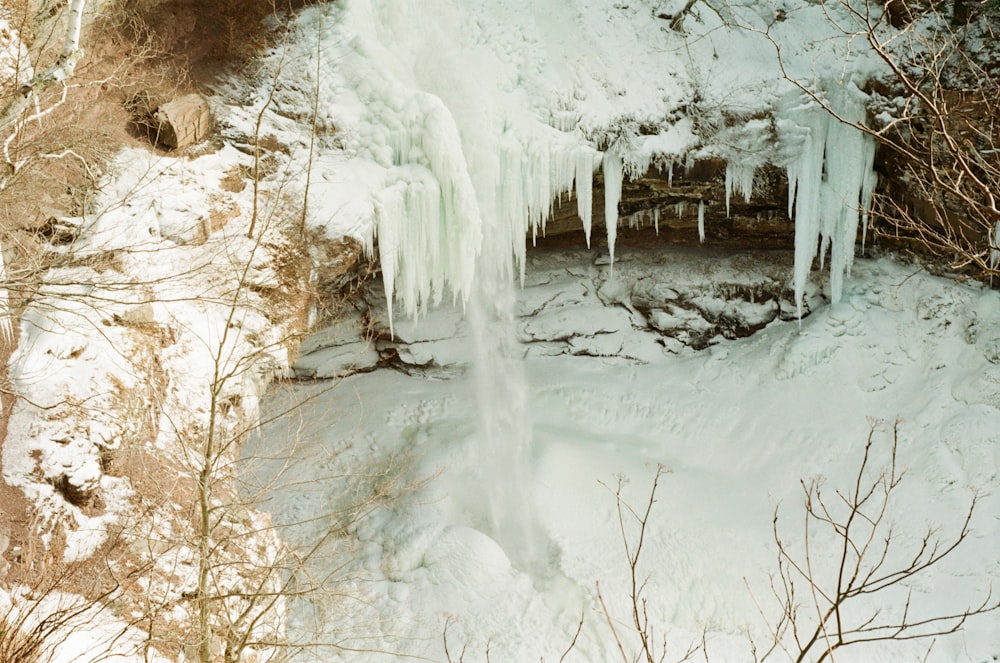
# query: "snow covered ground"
[[735, 427]]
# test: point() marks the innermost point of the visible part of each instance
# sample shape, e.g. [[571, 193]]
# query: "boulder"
[[183, 121]]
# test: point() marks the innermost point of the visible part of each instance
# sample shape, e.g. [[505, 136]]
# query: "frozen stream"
[[616, 389]]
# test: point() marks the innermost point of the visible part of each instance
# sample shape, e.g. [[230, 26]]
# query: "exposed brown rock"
[[183, 121], [760, 223]]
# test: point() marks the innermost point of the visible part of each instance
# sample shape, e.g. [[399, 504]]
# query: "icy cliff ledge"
[[463, 123]]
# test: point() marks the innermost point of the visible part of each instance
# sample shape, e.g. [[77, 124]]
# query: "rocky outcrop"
[[183, 121], [663, 207], [658, 302]]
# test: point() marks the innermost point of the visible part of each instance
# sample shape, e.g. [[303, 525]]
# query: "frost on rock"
[[830, 182]]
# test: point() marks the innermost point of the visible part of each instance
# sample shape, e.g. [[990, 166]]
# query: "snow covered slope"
[[612, 392]]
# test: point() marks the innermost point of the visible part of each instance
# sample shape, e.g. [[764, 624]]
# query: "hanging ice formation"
[[612, 167], [426, 215], [830, 182], [701, 221], [430, 224], [739, 179], [535, 174]]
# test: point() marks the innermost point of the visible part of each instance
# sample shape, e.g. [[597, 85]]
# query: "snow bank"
[[75, 629], [158, 308], [736, 426]]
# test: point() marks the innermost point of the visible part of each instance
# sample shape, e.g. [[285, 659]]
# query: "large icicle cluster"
[[427, 215], [533, 175], [830, 182], [433, 223]]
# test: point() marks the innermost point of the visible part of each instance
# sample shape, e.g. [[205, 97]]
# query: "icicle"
[[804, 179], [584, 177], [867, 191], [830, 186], [850, 156], [656, 220], [739, 179], [680, 207], [427, 215], [612, 195], [729, 185], [701, 221], [670, 175]]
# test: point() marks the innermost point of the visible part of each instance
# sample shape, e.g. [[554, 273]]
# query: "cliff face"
[[663, 207]]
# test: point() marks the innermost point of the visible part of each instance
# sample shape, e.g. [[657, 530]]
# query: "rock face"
[[678, 301], [665, 206], [183, 121]]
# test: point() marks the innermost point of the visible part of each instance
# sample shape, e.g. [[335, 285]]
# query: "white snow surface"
[[79, 630], [735, 427], [84, 367]]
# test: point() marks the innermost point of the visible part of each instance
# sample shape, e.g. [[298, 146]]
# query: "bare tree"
[[638, 632], [823, 609], [22, 106], [935, 115]]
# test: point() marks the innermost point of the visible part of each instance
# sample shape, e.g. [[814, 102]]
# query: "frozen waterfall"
[[462, 171], [433, 225]]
